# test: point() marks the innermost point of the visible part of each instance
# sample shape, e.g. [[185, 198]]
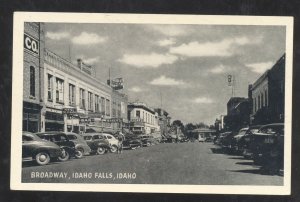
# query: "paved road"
[[183, 163]]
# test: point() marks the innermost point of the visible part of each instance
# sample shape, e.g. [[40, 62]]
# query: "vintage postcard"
[[152, 103]]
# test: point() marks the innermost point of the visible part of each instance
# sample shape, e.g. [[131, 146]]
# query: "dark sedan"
[[62, 140], [39, 150], [267, 146], [132, 142], [81, 146]]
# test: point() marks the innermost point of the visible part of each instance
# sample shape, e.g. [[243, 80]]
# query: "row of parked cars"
[[262, 143], [51, 146]]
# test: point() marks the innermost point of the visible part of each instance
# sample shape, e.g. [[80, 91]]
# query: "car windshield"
[[272, 129], [87, 137]]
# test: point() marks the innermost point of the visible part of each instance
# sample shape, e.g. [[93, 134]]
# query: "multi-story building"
[[267, 95], [62, 96], [33, 76], [237, 113], [143, 119], [163, 120]]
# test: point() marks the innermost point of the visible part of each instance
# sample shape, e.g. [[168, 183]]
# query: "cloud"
[[135, 89], [153, 60], [91, 60], [218, 69], [202, 100], [221, 48], [171, 30], [88, 61], [165, 81], [57, 35], [260, 67], [166, 42], [88, 39]]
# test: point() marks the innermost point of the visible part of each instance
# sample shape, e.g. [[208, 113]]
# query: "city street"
[[166, 163]]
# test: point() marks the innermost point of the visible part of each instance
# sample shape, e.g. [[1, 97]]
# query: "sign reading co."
[[31, 44]]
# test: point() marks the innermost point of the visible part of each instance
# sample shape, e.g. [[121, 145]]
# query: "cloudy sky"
[[186, 65]]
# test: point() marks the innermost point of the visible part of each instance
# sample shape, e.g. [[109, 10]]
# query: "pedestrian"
[[121, 138]]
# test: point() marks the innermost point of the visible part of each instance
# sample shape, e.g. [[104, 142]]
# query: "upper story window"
[[59, 90], [103, 105], [71, 95], [32, 81], [90, 101], [82, 98], [97, 103], [50, 87], [266, 98], [107, 107], [138, 113]]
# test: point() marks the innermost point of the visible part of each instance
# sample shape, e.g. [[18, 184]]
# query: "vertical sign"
[[31, 45]]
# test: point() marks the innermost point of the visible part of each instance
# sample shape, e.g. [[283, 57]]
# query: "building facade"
[[237, 113], [33, 62], [62, 96], [267, 95], [142, 118], [163, 121]]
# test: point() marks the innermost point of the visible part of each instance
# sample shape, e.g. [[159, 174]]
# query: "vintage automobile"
[[132, 142], [61, 139], [80, 144], [235, 141], [97, 142], [39, 150], [114, 142], [244, 142], [147, 140], [267, 146]]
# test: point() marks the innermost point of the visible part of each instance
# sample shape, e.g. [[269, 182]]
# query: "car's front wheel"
[[113, 149], [42, 158], [101, 150], [79, 153], [64, 156]]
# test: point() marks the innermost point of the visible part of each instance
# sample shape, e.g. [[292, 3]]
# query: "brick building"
[[62, 96], [33, 76], [267, 95]]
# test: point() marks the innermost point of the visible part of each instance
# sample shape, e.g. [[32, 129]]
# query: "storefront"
[[54, 121], [31, 117]]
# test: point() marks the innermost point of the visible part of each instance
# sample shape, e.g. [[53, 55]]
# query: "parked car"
[[147, 140], [114, 142], [80, 144], [201, 138], [62, 140], [235, 141], [97, 142], [41, 151], [225, 139], [132, 142], [267, 146], [244, 142]]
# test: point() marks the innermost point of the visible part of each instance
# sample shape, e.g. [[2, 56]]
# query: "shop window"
[[50, 87], [82, 98], [32, 81], [59, 90], [71, 95]]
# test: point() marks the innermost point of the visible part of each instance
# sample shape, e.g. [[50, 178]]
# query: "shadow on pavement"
[[257, 171], [238, 158], [217, 150], [245, 163]]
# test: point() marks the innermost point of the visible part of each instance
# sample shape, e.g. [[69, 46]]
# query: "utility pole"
[[160, 99]]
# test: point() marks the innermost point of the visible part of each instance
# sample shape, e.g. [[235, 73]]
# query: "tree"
[[179, 124]]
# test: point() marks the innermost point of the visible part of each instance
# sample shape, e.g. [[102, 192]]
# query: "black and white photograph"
[[152, 103]]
